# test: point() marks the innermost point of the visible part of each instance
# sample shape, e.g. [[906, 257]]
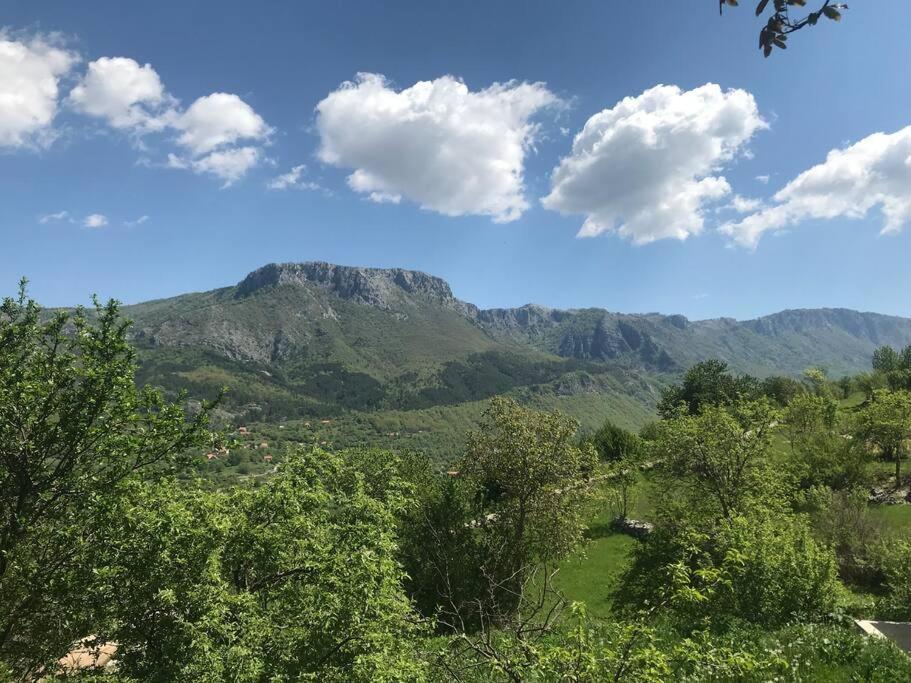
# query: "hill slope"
[[316, 339]]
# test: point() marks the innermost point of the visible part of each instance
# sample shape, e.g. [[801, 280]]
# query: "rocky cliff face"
[[285, 311], [382, 288]]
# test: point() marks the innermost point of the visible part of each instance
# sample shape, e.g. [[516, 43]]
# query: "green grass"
[[590, 574], [895, 519]]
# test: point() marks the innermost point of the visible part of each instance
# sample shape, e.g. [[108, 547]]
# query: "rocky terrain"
[[310, 338]]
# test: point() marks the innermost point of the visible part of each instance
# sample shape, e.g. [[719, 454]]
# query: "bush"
[[614, 443], [764, 570], [894, 559]]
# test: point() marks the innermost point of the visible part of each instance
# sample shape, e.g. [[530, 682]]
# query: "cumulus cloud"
[[874, 172], [95, 220], [219, 134], [437, 143], [124, 94], [30, 73], [647, 167], [218, 120]]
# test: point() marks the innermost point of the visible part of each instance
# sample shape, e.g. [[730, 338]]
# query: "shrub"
[[767, 570]]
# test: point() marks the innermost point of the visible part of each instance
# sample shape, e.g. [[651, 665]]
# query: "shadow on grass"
[[600, 530]]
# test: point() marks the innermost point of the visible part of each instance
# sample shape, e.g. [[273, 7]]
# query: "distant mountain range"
[[314, 339]]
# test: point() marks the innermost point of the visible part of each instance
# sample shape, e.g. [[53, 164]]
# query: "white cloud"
[[229, 164], [436, 143], [219, 120], [30, 73], [123, 93], [874, 172], [745, 204], [293, 179], [95, 220], [139, 221], [646, 167], [219, 133], [53, 217], [764, 179]]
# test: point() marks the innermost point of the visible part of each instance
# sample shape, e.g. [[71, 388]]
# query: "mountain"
[[301, 340]]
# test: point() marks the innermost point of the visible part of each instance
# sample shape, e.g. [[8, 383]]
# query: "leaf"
[[812, 18], [780, 43], [760, 8], [832, 13]]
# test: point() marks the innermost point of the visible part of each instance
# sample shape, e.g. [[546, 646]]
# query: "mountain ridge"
[[299, 339]]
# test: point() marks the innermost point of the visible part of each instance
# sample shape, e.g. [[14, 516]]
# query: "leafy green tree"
[[895, 562], [765, 569], [781, 24], [716, 460], [821, 455], [295, 579], [869, 382], [818, 381], [530, 475], [782, 390], [885, 423], [613, 443], [885, 359], [708, 383], [527, 477], [74, 430]]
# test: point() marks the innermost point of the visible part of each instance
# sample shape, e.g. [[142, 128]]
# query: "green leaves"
[[74, 430], [780, 24], [831, 13]]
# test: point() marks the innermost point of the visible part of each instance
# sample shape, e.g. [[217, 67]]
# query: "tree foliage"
[[708, 383], [885, 424], [74, 430], [292, 579], [716, 461], [613, 443], [780, 24]]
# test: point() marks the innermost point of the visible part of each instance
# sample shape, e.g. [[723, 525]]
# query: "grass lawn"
[[591, 574]]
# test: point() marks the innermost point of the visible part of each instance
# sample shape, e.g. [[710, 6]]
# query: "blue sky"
[[472, 213]]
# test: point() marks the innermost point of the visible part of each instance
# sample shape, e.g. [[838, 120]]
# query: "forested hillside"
[[295, 341]]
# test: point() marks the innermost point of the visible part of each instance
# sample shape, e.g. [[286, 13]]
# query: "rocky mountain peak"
[[378, 287]]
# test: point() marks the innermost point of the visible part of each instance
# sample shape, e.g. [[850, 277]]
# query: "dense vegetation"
[[370, 564]]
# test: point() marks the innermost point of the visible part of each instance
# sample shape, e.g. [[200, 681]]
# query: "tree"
[[614, 443], [762, 568], [527, 477], [296, 579], [885, 423], [74, 429], [717, 458], [885, 359], [780, 24], [818, 380], [820, 454], [781, 389], [708, 383]]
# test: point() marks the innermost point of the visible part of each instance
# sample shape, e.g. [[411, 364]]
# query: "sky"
[[638, 156]]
